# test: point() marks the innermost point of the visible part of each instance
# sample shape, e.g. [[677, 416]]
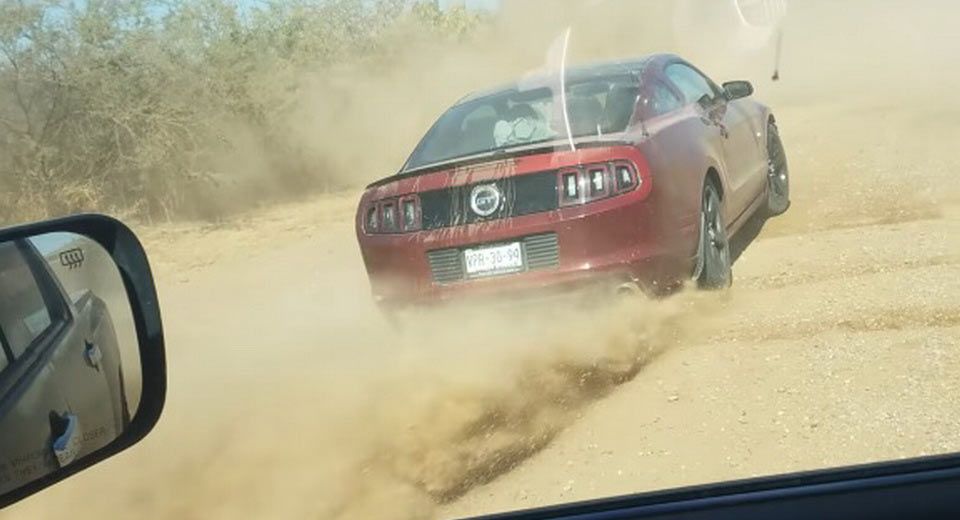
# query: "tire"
[[778, 174], [714, 263]]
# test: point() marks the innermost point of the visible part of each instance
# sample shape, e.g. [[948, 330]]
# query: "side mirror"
[[82, 372], [737, 89]]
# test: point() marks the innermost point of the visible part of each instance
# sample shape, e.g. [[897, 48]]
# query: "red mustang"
[[631, 175]]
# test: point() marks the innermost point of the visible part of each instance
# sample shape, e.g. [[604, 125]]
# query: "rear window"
[[595, 106]]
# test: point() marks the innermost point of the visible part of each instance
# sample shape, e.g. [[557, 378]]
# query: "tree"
[[129, 107]]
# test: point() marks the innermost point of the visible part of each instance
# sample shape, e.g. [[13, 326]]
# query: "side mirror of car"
[[82, 371], [737, 89]]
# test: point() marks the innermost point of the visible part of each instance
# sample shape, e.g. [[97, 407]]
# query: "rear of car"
[[532, 189], [566, 218]]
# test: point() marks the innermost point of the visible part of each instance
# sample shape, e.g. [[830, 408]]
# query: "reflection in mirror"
[[69, 366], [737, 89]]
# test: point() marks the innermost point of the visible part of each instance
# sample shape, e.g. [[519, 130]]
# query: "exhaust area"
[[628, 289]]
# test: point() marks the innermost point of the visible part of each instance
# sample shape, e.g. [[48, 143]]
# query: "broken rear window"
[[515, 117]]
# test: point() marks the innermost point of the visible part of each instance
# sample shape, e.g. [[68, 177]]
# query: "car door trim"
[[878, 490]]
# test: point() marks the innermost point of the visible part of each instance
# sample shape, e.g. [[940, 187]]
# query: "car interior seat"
[[585, 114], [477, 134], [621, 101]]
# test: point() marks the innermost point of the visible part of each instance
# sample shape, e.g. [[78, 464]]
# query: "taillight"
[[571, 190], [410, 209], [372, 220], [389, 213], [626, 177], [393, 215], [596, 181]]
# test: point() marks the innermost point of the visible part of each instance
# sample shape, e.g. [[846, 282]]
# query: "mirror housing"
[[78, 300], [737, 89]]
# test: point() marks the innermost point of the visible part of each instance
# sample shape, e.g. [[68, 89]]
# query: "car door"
[[78, 356], [747, 141], [677, 146], [34, 413], [737, 143]]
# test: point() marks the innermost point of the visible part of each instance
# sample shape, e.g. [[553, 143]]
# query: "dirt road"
[[838, 344], [848, 356]]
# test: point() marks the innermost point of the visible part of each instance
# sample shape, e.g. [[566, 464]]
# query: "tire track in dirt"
[[464, 438], [891, 320], [783, 280]]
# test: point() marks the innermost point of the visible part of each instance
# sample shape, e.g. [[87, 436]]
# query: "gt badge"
[[485, 199]]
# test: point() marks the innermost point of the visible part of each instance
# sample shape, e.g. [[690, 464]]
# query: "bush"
[[151, 108]]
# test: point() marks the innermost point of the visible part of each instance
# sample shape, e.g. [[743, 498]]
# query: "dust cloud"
[[486, 390], [289, 395], [877, 51]]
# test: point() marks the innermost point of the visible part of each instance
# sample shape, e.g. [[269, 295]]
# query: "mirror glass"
[[738, 89], [69, 365]]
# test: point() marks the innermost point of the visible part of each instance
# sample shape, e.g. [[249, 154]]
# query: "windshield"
[[762, 283], [595, 107]]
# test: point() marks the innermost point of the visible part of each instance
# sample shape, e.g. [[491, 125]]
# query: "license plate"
[[493, 260]]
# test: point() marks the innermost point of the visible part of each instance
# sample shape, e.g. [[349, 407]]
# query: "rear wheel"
[[778, 174], [715, 270]]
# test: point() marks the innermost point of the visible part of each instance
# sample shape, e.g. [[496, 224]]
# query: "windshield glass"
[[748, 266], [597, 106]]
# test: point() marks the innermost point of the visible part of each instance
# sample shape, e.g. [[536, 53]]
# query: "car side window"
[[661, 100], [24, 315], [691, 83]]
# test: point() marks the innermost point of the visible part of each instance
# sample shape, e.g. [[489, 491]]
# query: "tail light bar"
[[575, 186], [396, 215], [585, 184]]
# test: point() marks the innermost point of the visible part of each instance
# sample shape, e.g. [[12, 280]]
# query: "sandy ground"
[[289, 397]]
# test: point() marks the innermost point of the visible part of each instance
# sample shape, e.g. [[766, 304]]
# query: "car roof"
[[576, 73]]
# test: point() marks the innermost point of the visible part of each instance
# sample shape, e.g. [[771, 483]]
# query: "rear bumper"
[[600, 246], [524, 290]]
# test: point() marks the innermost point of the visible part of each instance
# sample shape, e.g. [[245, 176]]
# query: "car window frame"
[[22, 260], [6, 354], [886, 490], [58, 308], [23, 367]]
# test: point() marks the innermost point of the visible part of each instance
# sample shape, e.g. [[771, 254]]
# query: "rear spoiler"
[[546, 148]]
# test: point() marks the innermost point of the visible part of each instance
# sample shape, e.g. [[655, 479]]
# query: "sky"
[[51, 242], [472, 4]]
